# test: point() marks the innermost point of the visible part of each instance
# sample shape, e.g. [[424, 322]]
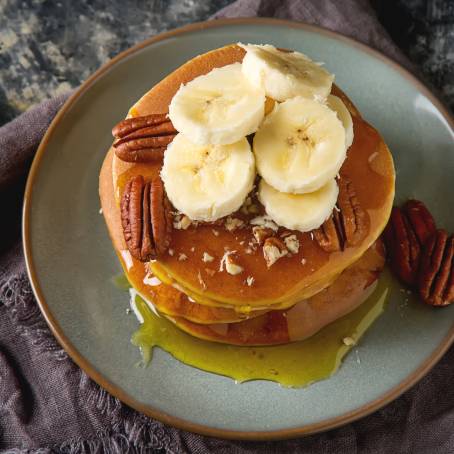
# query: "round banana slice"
[[300, 146], [284, 75], [303, 212], [220, 107], [207, 182], [336, 104]]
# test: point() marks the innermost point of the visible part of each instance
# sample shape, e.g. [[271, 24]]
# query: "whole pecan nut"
[[404, 236], [436, 274], [146, 218], [143, 139], [403, 247], [420, 219], [347, 225]]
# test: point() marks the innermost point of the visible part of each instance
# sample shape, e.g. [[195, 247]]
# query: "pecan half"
[[145, 218], [420, 219], [436, 275], [348, 223], [143, 139], [405, 234]]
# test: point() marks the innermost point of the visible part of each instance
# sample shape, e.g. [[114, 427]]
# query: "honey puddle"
[[292, 365]]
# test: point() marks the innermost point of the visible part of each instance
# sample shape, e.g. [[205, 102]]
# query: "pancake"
[[220, 307], [165, 297], [354, 285], [368, 166]]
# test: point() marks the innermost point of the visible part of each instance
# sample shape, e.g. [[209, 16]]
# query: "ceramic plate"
[[71, 260]]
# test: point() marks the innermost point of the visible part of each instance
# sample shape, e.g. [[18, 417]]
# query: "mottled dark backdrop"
[[48, 47]]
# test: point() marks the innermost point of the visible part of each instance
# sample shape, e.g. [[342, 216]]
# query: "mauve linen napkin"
[[48, 405]]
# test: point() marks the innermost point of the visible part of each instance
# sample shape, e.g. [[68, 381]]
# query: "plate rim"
[[116, 391]]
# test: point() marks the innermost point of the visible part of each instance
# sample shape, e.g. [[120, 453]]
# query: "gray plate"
[[71, 260]]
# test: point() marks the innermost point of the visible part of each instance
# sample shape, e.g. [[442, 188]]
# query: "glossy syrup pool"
[[292, 365]]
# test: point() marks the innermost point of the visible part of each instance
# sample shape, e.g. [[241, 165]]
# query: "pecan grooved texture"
[[143, 139], [145, 218], [347, 225], [436, 274]]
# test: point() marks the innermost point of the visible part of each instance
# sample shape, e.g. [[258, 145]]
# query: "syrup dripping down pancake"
[[354, 285]]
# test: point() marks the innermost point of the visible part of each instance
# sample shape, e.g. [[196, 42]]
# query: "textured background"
[[48, 47]]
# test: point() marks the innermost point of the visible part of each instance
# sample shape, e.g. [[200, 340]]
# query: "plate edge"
[[88, 368]]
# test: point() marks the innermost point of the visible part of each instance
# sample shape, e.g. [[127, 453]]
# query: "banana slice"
[[284, 75], [220, 107], [207, 182], [300, 146], [303, 212], [336, 104]]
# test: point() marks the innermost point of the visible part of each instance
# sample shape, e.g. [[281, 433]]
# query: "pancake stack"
[[263, 271]]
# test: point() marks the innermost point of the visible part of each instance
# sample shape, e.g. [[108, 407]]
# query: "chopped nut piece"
[[231, 267], [303, 261], [261, 233], [171, 252], [181, 222], [224, 258], [232, 224], [192, 249], [264, 221], [207, 257], [349, 341], [292, 243], [248, 251], [182, 256], [246, 205], [250, 280], [229, 262], [215, 232], [273, 250], [210, 272]]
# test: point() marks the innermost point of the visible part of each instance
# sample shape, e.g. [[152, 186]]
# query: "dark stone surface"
[[48, 47], [424, 30]]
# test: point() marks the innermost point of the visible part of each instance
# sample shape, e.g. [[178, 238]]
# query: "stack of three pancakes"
[[288, 301]]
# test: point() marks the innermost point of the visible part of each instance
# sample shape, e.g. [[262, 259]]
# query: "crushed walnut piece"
[[232, 224], [273, 250], [231, 267], [261, 233], [348, 341], [181, 222], [250, 280], [264, 221], [249, 207], [292, 243], [228, 262], [207, 257], [182, 257]]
